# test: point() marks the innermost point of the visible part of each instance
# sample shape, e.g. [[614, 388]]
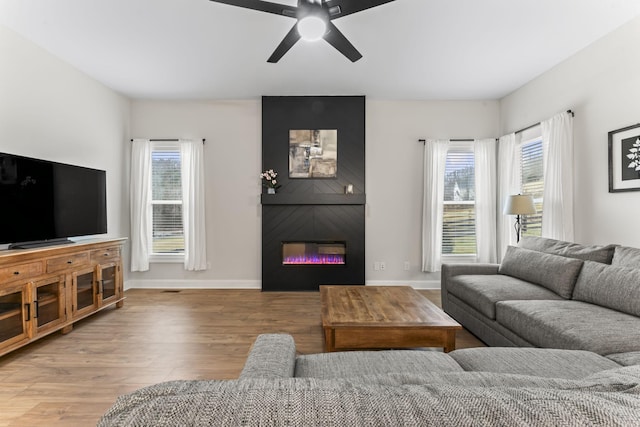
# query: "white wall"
[[602, 85], [52, 111], [233, 160], [233, 150], [395, 175]]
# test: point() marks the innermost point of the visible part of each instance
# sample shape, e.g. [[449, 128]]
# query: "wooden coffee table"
[[374, 317]]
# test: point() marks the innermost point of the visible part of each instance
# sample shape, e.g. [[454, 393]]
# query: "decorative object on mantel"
[[624, 159], [269, 181], [519, 205]]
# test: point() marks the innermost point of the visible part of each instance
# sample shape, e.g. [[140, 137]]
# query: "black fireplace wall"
[[313, 209], [346, 114], [311, 223]]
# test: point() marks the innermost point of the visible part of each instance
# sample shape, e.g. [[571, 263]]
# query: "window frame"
[[530, 136], [158, 257], [459, 146]]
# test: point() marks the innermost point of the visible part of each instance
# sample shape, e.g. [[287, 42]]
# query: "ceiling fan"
[[313, 21]]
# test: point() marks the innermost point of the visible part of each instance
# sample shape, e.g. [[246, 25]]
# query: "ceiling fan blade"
[[340, 8], [287, 43], [336, 39], [263, 6]]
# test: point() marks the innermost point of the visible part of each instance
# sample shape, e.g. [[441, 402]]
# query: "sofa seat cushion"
[[351, 364], [596, 253], [573, 325], [541, 362], [609, 286], [483, 291], [554, 272]]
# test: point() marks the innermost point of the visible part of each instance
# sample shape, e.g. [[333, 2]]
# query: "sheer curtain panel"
[[193, 204], [435, 157], [140, 193], [557, 140], [485, 175], [508, 184]]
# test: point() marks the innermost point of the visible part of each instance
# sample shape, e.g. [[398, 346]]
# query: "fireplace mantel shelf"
[[313, 199]]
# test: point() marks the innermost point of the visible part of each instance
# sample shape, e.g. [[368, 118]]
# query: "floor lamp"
[[519, 205]]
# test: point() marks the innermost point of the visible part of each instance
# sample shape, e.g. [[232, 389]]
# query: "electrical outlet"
[[376, 266], [407, 266], [383, 265]]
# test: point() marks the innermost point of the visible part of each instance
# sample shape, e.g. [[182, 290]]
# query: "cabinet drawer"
[[99, 256], [67, 262], [21, 271]]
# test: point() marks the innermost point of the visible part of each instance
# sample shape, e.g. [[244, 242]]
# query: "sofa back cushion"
[[554, 272], [609, 286], [624, 256], [596, 253]]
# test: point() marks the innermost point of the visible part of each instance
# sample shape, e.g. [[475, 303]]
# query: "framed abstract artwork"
[[624, 159], [313, 153]]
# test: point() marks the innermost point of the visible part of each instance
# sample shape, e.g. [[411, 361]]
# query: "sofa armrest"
[[450, 270], [272, 356]]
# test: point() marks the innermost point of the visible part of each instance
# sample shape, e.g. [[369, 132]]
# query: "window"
[[167, 231], [167, 203], [458, 225], [532, 178]]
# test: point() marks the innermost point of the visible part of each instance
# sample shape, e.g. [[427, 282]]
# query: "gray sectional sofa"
[[552, 294], [581, 302], [467, 387]]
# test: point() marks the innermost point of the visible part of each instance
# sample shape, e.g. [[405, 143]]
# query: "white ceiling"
[[413, 49]]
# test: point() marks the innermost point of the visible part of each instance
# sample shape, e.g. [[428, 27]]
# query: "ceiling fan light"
[[311, 28]]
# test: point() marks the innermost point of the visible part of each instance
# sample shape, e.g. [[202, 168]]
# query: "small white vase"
[[271, 191]]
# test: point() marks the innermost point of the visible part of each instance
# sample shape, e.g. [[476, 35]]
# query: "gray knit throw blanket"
[[609, 398]]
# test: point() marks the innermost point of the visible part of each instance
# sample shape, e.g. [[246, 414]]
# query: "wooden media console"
[[47, 289]]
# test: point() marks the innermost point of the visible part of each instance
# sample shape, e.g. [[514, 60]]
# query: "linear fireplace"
[[305, 245], [314, 253]]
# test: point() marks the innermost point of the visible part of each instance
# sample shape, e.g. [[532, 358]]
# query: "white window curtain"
[[508, 184], [435, 157], [140, 195], [485, 177], [557, 140], [193, 204]]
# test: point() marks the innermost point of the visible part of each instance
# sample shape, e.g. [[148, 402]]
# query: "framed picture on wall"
[[313, 153], [624, 159]]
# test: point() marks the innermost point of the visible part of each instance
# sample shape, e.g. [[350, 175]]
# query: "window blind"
[[458, 226], [532, 167], [166, 192]]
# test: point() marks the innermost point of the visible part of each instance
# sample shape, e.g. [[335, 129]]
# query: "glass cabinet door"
[[84, 292], [15, 313], [49, 304], [108, 279], [108, 282]]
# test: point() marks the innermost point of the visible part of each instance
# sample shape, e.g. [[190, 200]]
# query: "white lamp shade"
[[519, 205], [311, 28]]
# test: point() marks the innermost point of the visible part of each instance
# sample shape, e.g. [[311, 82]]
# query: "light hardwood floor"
[[159, 335]]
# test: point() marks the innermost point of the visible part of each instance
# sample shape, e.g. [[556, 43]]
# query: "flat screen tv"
[[44, 202]]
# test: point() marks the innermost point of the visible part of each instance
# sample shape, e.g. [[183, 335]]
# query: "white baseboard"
[[254, 284], [192, 284]]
